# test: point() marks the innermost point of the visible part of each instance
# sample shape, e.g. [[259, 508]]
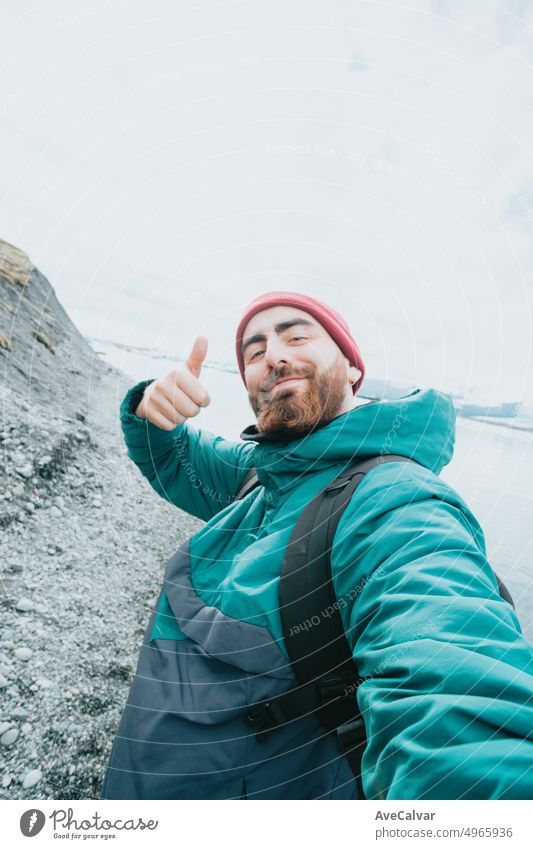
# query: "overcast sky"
[[165, 162]]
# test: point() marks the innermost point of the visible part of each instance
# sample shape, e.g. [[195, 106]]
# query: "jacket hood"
[[420, 425]]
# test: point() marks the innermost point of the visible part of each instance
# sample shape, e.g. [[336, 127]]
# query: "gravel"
[[79, 589]]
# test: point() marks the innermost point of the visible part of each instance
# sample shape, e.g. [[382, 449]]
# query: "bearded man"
[[446, 675]]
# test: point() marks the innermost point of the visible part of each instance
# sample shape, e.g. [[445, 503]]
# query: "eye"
[[293, 338], [254, 354]]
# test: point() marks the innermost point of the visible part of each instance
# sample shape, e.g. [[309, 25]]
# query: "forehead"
[[266, 320]]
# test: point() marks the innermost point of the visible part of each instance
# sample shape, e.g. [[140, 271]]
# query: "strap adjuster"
[[351, 734], [341, 685], [265, 716]]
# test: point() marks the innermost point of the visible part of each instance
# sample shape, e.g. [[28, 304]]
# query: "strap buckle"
[[351, 734], [341, 685], [265, 716]]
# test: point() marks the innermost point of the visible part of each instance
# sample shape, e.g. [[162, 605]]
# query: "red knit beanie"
[[330, 319]]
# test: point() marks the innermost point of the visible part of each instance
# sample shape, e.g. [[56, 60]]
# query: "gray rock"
[[55, 512], [3, 682], [19, 712], [24, 605], [9, 737], [4, 727], [23, 653], [6, 781], [31, 778], [25, 471]]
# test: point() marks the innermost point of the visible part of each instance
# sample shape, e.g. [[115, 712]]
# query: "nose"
[[276, 352]]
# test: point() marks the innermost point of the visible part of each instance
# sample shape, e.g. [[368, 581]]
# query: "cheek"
[[251, 378]]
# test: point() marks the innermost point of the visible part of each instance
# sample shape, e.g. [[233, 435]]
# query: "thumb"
[[197, 356]]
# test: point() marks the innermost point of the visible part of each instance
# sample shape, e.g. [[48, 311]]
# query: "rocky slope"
[[83, 544]]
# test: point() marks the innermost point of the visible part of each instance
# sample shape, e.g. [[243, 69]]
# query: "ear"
[[354, 374]]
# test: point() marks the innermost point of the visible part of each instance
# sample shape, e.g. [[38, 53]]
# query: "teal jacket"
[[447, 692]]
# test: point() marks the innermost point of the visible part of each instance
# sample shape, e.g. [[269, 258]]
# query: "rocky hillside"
[[83, 544], [47, 369]]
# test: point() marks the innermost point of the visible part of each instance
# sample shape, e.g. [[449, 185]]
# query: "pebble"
[[55, 512], [26, 471], [5, 670], [32, 778], [9, 737], [29, 507], [17, 567], [59, 501], [23, 653], [3, 681], [19, 712], [6, 781], [4, 727], [44, 683], [24, 604]]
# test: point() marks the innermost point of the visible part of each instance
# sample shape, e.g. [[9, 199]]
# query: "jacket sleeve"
[[446, 676], [192, 468]]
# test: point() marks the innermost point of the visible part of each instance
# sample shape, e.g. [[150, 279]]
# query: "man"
[[446, 692]]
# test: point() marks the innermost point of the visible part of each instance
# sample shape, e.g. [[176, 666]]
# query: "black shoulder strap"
[[312, 625], [306, 588]]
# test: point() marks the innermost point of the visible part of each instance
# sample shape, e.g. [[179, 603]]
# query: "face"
[[296, 375]]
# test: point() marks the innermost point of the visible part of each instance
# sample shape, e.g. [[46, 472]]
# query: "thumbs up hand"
[[179, 395]]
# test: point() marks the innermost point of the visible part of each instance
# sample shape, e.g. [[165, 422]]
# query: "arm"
[[447, 677], [192, 468]]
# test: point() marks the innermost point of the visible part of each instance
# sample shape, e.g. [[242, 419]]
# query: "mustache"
[[282, 375]]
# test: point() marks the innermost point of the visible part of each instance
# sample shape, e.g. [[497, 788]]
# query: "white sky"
[[165, 162]]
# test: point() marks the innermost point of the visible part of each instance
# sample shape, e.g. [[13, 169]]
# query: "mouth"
[[288, 381]]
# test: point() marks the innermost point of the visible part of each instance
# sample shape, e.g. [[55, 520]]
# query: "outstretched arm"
[[447, 677]]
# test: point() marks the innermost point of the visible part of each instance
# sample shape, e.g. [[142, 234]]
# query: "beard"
[[299, 411]]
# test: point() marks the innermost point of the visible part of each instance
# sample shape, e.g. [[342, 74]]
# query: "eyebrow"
[[279, 328]]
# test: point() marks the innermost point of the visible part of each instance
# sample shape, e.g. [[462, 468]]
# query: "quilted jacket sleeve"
[[446, 676], [192, 468]]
